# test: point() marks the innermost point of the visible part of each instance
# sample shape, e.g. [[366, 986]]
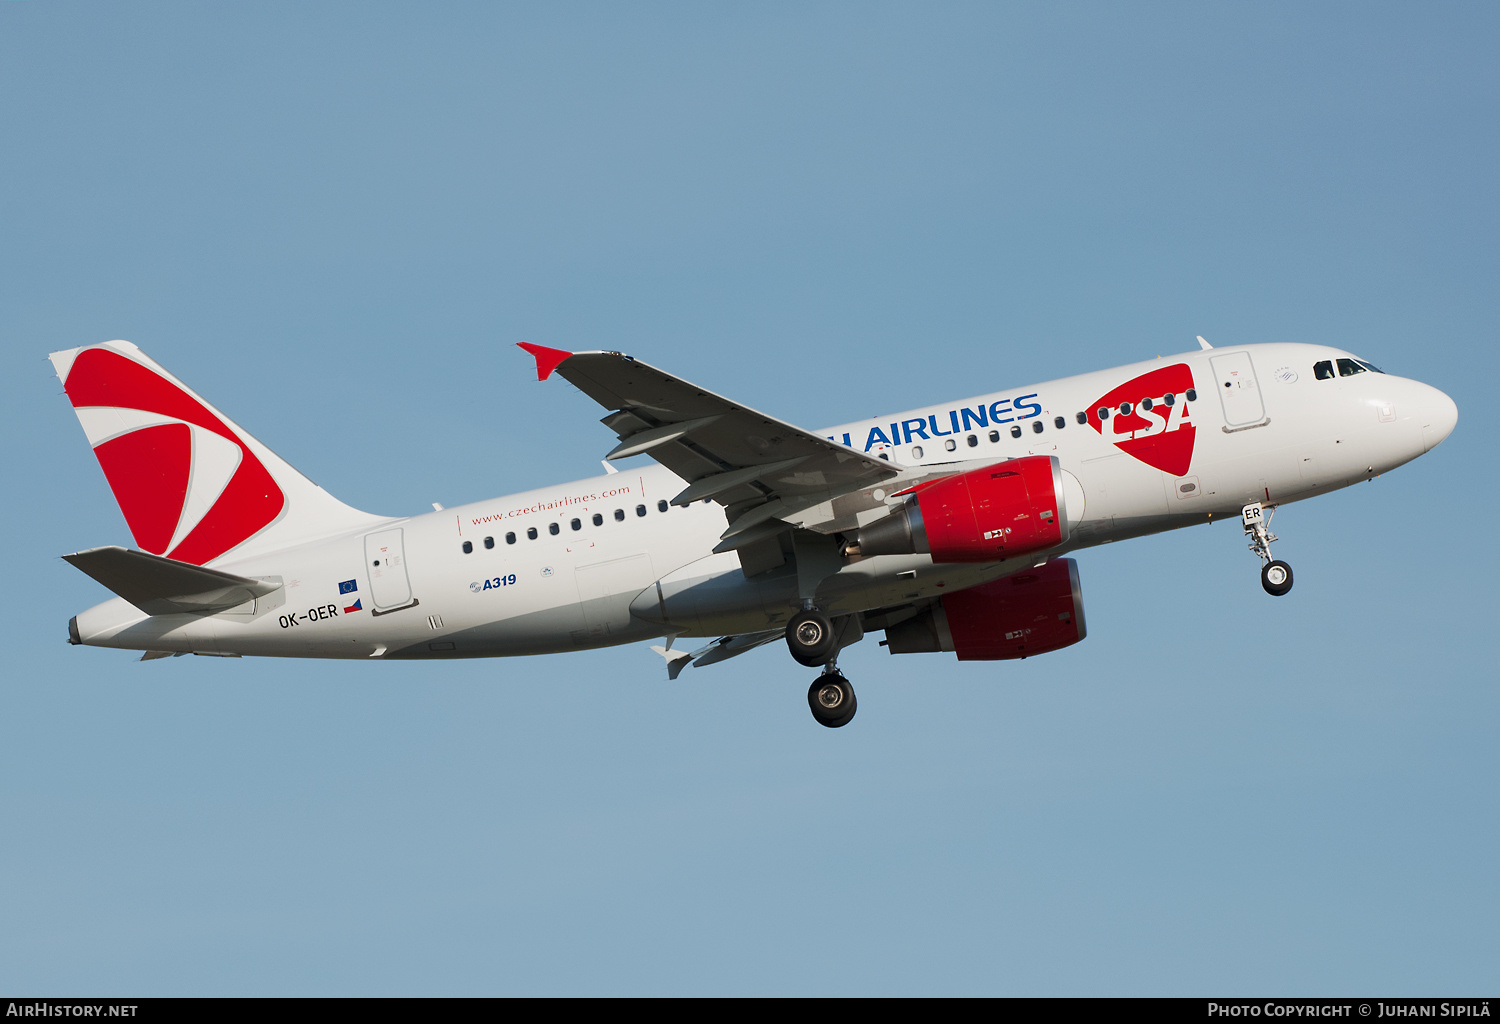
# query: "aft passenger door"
[[385, 563]]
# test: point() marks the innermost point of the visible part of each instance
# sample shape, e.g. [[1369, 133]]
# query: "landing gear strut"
[[1275, 576], [831, 698], [809, 636], [814, 640]]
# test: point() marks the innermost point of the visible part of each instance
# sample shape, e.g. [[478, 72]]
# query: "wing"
[[764, 472], [722, 649]]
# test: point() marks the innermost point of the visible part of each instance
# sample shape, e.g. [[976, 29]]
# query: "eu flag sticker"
[[348, 587]]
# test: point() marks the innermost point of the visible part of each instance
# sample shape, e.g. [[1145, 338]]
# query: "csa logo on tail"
[[188, 485], [1148, 418]]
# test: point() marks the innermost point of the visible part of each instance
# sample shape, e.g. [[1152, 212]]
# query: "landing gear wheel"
[[1275, 575], [1276, 578], [809, 636], [831, 698]]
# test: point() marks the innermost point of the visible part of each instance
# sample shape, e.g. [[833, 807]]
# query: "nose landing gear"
[[1275, 576]]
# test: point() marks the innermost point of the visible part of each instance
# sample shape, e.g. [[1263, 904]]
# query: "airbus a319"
[[946, 528]]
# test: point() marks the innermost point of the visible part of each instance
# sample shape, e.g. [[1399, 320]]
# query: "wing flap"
[[717, 484], [638, 441], [165, 586]]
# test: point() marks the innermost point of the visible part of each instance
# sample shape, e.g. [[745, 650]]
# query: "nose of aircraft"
[[1439, 416]]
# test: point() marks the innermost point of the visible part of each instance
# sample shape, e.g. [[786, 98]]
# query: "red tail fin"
[[192, 485]]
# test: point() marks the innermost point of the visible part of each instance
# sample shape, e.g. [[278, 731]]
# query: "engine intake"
[[985, 515]]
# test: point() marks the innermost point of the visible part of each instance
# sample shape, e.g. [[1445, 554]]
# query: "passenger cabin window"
[[554, 529], [994, 436], [950, 444], [640, 510], [619, 515], [468, 547], [1103, 413], [1036, 427], [1124, 408], [1192, 394], [531, 533], [661, 506], [916, 451], [1082, 418], [576, 524], [1349, 367], [1169, 399], [1059, 423], [598, 519], [973, 440], [1015, 431], [510, 538], [1146, 404], [489, 542]]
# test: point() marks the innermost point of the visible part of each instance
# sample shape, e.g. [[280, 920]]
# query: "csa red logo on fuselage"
[[1148, 418]]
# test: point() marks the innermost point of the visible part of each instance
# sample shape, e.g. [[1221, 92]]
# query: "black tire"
[[809, 636], [831, 698], [1276, 578]]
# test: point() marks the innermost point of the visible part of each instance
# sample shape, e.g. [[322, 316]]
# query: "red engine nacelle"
[[985, 515], [1032, 612]]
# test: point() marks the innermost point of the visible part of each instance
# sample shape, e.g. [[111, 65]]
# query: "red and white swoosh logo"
[[1159, 434], [189, 487]]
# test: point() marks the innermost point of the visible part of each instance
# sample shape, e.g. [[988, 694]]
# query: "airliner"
[[947, 528]]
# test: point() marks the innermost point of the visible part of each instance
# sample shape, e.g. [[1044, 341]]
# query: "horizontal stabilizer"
[[164, 586]]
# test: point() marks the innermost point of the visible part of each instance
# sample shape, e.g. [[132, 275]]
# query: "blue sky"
[[335, 220]]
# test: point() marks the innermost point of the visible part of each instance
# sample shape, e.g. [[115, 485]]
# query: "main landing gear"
[[813, 641], [1275, 576], [809, 636], [831, 698]]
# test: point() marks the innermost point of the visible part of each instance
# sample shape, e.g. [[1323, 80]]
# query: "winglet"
[[1203, 343], [547, 359], [676, 660]]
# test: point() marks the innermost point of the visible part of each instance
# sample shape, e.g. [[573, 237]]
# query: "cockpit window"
[[1349, 367], [1323, 370], [1369, 366]]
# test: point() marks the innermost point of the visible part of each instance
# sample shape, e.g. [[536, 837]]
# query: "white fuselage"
[[607, 565]]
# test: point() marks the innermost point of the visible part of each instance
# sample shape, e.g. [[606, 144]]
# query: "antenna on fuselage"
[[1203, 343]]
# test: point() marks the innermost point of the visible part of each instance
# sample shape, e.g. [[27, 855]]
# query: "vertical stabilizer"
[[193, 486]]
